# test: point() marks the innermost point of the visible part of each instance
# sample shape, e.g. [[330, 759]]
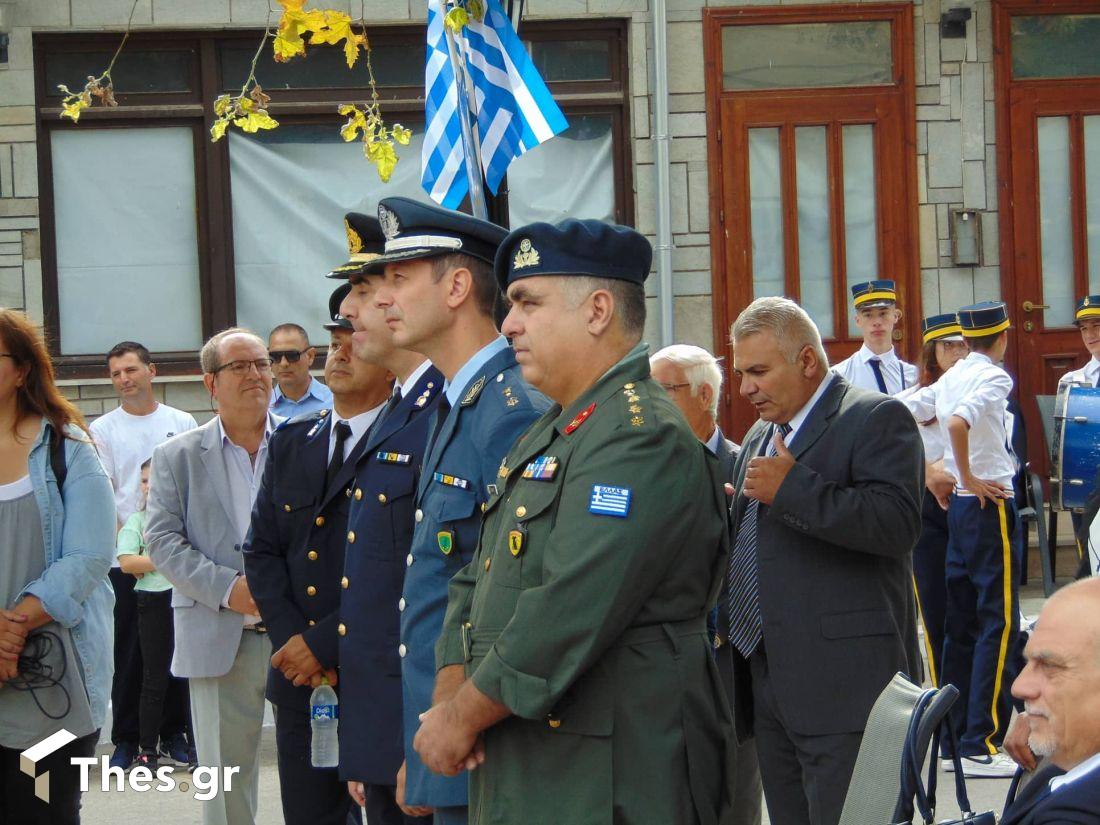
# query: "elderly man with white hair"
[[693, 380]]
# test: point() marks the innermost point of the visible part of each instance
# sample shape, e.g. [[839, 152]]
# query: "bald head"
[[1060, 686]]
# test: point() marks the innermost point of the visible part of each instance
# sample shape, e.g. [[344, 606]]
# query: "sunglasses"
[[292, 356]]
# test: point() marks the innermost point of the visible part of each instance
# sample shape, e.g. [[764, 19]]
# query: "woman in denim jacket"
[[56, 546]]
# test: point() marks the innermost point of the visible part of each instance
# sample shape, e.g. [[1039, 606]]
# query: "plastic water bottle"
[[324, 716]]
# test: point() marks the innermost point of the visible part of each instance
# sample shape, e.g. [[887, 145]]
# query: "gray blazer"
[[194, 540], [834, 557]]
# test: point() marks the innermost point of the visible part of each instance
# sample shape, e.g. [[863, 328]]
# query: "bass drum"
[[1076, 446]]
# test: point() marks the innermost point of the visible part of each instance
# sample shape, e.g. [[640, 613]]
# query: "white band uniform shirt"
[[930, 433], [896, 374], [976, 390], [1088, 374]]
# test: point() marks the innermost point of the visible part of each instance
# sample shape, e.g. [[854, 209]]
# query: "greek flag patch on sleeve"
[[609, 501]]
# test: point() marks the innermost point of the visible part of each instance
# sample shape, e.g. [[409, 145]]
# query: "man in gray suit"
[[693, 380], [819, 595], [202, 486]]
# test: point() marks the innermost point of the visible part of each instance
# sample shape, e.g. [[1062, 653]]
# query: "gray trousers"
[[227, 715]]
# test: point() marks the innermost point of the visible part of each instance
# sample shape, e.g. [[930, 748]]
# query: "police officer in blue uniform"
[[439, 296], [379, 534], [294, 559]]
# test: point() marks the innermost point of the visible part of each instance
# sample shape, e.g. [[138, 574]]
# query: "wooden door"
[[1049, 142], [812, 189]]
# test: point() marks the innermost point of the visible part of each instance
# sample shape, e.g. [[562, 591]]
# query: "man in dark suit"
[[380, 528], [1060, 689], [818, 594], [294, 560], [693, 380]]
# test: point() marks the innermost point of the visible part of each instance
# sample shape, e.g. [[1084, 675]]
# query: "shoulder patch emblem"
[[474, 392], [609, 501], [582, 416]]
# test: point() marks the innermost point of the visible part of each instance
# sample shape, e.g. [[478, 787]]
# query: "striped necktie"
[[746, 622]]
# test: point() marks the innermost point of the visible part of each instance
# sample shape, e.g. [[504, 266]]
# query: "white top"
[[125, 441], [16, 489], [1072, 775], [1088, 374], [976, 390], [359, 425], [930, 434], [857, 370]]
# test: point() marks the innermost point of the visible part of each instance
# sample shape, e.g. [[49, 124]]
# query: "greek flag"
[[515, 111]]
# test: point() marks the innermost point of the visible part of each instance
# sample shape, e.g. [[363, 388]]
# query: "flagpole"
[[471, 146]]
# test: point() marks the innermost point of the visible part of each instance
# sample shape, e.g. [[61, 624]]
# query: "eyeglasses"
[[674, 387], [262, 365], [292, 356]]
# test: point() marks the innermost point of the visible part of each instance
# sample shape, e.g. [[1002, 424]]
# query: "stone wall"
[[955, 136]]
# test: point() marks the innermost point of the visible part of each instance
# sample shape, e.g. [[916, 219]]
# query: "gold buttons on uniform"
[[402, 650], [358, 494], [521, 511], [554, 723], [319, 521], [351, 537], [628, 386], [484, 506], [381, 498], [286, 507], [401, 604], [311, 591], [419, 516], [344, 582], [488, 561], [409, 560], [312, 623], [312, 555], [341, 629]]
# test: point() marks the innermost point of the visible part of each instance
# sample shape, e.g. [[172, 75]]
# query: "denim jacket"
[[79, 538]]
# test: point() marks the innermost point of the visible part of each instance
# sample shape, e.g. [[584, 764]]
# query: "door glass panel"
[[860, 210], [815, 261], [765, 213], [1055, 225], [145, 246], [1055, 45], [807, 55], [1092, 199]]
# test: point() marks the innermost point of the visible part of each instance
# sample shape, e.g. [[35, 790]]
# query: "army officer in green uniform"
[[574, 676]]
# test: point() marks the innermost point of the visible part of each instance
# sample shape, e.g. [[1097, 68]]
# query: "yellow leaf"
[[246, 104], [401, 134], [255, 121], [347, 109], [217, 131], [222, 105], [351, 49], [287, 47], [350, 130], [292, 5], [476, 9], [73, 109], [383, 156], [456, 19]]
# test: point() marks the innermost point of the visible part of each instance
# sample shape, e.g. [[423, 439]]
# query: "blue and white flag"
[[515, 110]]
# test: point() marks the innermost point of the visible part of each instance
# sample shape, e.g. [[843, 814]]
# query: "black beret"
[[423, 230], [337, 321], [365, 243], [588, 248]]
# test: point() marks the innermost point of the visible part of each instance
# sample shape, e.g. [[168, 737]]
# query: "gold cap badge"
[[390, 227], [527, 255], [355, 243]]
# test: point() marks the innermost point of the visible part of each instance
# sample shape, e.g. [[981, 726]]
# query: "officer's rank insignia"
[[526, 255], [393, 458], [492, 488], [390, 226], [637, 421], [446, 541], [541, 469], [472, 395], [511, 402], [355, 243], [609, 501], [582, 416], [422, 400], [451, 481], [515, 542]]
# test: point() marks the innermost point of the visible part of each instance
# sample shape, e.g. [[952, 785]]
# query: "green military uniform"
[[584, 612]]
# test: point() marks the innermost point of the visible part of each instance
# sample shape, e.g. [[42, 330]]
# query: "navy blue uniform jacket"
[[1077, 803], [294, 552], [380, 529]]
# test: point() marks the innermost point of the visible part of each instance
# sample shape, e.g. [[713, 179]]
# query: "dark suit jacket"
[[1075, 804], [296, 542], [727, 455], [381, 520], [834, 557]]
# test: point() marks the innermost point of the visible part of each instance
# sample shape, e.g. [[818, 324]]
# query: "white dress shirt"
[[976, 390], [896, 374], [800, 417], [1088, 374], [930, 433], [1073, 774], [359, 425]]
